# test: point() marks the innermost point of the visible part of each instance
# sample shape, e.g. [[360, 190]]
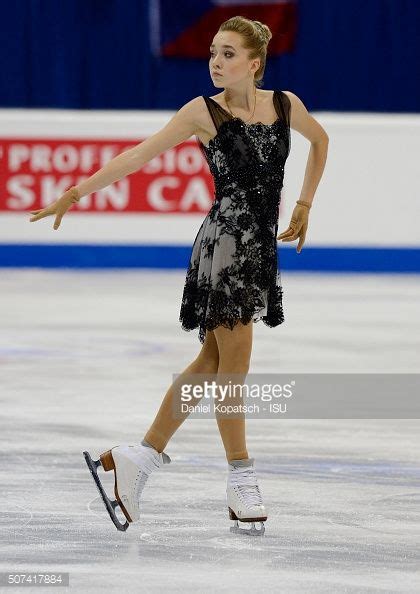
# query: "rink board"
[[364, 216]]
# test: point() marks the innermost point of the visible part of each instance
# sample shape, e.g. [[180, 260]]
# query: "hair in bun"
[[263, 31]]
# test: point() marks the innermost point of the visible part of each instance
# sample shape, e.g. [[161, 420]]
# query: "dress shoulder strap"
[[282, 105], [218, 114]]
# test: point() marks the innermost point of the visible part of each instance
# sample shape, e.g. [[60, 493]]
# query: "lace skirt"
[[233, 273]]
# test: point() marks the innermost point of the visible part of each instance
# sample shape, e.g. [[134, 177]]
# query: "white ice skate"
[[244, 498], [132, 466]]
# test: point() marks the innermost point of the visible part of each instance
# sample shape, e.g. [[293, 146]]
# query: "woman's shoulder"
[[293, 98], [194, 110]]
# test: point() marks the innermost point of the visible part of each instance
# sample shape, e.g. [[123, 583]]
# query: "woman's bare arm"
[[305, 124], [180, 127]]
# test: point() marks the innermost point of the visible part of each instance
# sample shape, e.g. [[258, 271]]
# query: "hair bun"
[[263, 31]]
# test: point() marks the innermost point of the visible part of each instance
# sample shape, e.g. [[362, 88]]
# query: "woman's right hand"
[[59, 207]]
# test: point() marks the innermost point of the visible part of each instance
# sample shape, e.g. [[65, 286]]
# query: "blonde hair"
[[255, 36]]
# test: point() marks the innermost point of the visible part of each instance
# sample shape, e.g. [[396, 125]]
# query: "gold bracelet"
[[302, 203]]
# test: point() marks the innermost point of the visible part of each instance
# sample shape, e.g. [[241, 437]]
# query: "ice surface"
[[86, 357]]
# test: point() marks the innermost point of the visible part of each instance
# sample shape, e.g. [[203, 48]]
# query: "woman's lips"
[[216, 74]]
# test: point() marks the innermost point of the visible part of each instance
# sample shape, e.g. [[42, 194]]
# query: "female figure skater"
[[232, 279]]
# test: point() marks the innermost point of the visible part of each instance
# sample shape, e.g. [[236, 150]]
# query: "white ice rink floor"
[[86, 358]]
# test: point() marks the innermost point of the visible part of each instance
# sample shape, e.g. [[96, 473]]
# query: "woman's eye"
[[228, 54]]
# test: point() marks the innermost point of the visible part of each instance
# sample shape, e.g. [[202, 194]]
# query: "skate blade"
[[110, 505], [253, 531]]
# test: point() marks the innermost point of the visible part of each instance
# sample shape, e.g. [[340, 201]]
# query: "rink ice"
[[86, 357]]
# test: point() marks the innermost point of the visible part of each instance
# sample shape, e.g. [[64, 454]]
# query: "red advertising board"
[[34, 172]]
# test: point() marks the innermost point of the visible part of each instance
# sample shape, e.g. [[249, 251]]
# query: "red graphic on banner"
[[191, 34], [34, 173]]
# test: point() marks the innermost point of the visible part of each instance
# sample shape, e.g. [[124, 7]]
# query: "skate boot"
[[132, 466], [244, 498]]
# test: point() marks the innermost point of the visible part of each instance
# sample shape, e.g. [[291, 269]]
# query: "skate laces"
[[149, 462], [140, 482], [246, 481]]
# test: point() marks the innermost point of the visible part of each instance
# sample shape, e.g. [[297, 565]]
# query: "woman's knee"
[[209, 353], [235, 346]]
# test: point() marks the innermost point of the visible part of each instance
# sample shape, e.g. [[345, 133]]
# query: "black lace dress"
[[233, 272]]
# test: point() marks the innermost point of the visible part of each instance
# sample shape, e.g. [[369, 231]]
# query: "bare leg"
[[235, 348], [165, 423]]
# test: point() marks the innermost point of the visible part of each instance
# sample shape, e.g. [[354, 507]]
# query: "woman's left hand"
[[297, 227]]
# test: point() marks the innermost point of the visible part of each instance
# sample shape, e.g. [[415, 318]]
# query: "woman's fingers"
[[301, 242], [41, 214], [297, 229], [57, 221], [291, 234], [286, 233], [292, 237]]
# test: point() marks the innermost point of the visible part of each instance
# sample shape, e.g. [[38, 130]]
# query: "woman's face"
[[229, 62]]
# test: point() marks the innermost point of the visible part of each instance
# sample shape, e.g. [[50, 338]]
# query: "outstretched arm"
[[179, 128]]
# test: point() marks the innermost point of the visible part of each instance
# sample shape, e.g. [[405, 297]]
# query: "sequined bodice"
[[248, 157]]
